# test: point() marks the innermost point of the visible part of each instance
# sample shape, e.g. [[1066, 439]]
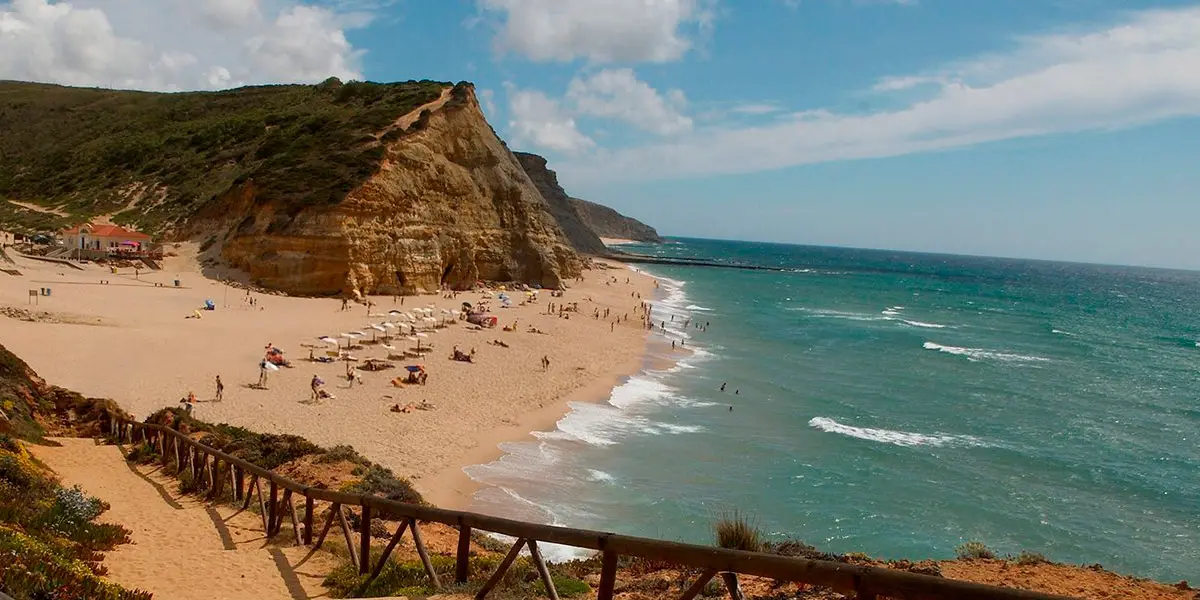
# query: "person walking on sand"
[[220, 390], [262, 373]]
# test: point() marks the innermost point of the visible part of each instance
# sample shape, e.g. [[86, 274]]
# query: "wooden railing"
[[215, 467]]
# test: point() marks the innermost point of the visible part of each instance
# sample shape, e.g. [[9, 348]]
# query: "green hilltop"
[[87, 152]]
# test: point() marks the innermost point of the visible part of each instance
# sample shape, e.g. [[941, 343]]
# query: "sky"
[[1056, 129]]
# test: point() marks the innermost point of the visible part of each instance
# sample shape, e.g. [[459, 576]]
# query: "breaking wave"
[[978, 354], [896, 438]]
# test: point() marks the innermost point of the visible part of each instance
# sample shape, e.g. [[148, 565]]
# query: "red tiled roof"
[[108, 231]]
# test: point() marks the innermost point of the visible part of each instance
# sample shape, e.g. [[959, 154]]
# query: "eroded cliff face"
[[449, 205], [606, 222], [582, 238]]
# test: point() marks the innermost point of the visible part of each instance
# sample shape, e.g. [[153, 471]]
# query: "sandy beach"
[[128, 339]]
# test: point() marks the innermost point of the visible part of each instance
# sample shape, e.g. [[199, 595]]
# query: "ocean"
[[895, 404]]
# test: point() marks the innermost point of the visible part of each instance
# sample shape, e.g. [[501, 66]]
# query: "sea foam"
[[896, 438], [978, 354]]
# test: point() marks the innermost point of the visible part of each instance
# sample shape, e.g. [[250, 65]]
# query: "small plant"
[[142, 453], [1027, 558], [187, 483], [712, 589], [972, 550], [735, 532]]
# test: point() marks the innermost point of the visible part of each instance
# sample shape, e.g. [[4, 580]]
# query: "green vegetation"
[[50, 544], [1027, 558], [86, 150], [271, 451], [973, 550]]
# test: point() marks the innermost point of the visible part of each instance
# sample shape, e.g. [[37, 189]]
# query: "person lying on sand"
[[533, 329], [461, 356], [498, 343]]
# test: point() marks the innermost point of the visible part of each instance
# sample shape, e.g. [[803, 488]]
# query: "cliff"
[[330, 189], [449, 205], [608, 223], [561, 207]]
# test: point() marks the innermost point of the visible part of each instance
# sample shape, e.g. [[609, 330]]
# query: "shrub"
[[381, 481], [973, 550], [9, 443], [188, 484], [713, 588], [797, 548], [735, 532], [1027, 558], [142, 453]]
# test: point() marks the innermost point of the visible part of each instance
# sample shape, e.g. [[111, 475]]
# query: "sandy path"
[[183, 548]]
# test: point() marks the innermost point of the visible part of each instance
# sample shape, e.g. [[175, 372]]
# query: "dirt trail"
[[181, 547], [39, 209]]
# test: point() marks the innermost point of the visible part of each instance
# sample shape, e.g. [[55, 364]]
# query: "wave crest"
[[978, 354], [896, 438]]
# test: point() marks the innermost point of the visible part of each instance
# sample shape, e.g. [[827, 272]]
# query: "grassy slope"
[[76, 148]]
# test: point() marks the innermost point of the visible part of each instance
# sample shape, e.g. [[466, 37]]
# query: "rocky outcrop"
[[582, 238], [608, 223], [449, 205]]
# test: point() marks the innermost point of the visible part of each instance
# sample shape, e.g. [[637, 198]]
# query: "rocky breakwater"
[[448, 205]]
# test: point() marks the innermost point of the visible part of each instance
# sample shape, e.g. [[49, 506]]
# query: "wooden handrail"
[[865, 582]]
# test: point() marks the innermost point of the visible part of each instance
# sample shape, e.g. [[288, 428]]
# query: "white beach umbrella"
[[357, 333], [422, 335], [389, 325], [376, 327], [329, 340]]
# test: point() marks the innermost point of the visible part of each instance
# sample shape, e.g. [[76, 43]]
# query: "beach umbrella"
[[375, 328], [328, 340], [357, 333]]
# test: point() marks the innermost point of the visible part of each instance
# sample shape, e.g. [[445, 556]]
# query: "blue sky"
[[1061, 129]]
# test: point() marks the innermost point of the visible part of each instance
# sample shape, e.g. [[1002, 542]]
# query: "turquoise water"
[[897, 404]]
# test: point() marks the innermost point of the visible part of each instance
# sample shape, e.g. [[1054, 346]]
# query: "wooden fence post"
[[423, 553], [341, 514], [364, 542], [608, 575], [333, 511], [262, 507], [496, 577], [308, 519], [698, 586], [272, 509], [240, 476], [544, 572], [462, 560], [386, 553]]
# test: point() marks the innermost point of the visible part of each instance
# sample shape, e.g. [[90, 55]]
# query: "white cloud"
[[619, 94], [177, 44], [599, 30], [1142, 70], [487, 99], [756, 108], [540, 121]]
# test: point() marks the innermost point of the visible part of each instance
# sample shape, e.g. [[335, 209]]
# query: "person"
[[723, 385], [189, 403], [316, 387], [220, 389], [262, 373]]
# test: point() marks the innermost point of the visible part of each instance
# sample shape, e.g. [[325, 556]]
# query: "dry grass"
[[735, 532]]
